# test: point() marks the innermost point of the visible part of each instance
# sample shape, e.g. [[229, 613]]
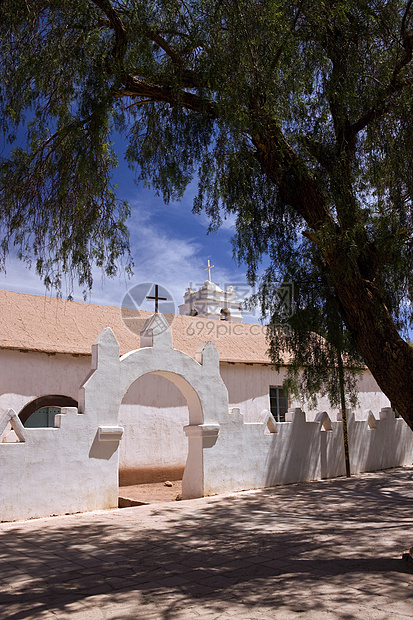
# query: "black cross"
[[157, 298]]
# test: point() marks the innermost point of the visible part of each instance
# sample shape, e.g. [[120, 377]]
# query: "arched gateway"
[[199, 381]]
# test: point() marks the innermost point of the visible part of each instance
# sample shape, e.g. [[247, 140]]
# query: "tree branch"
[[121, 37], [135, 87], [403, 24], [173, 54], [296, 184], [383, 105], [318, 150], [186, 76]]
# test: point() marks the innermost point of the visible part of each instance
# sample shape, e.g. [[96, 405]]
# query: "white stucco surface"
[[248, 388], [57, 470], [153, 411], [26, 376], [247, 455]]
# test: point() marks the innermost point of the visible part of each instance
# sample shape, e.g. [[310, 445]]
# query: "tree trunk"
[[387, 355], [343, 411]]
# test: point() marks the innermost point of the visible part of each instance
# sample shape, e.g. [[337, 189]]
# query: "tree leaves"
[[295, 116]]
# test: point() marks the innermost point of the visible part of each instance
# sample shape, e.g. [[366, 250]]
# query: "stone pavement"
[[315, 551]]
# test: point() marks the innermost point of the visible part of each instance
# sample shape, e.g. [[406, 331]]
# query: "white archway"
[[154, 447], [199, 380]]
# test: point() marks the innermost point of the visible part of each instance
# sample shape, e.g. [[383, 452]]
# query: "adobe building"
[[91, 395]]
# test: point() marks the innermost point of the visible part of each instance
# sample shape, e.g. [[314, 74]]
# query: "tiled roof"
[[48, 324]]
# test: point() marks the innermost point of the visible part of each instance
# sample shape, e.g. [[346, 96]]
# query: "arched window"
[[193, 312], [41, 411]]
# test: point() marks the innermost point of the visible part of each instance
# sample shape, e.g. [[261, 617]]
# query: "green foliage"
[[294, 116], [58, 206], [314, 337]]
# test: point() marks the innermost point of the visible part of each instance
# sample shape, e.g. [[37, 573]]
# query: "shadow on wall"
[[291, 458], [154, 391], [380, 442], [102, 449], [315, 450]]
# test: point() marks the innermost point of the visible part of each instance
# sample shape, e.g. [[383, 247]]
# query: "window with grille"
[[40, 412], [278, 402]]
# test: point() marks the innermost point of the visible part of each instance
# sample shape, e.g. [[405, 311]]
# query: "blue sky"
[[170, 246]]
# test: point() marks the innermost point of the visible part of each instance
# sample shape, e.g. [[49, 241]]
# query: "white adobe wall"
[[153, 413], [247, 456], [369, 397], [248, 389], [57, 470], [25, 376], [74, 467]]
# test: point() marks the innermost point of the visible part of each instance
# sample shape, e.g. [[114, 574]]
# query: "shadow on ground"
[[329, 546]]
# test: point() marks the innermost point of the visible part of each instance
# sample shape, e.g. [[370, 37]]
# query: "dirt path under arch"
[[140, 494]]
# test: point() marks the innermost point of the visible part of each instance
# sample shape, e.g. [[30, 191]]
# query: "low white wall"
[[153, 412], [57, 470], [26, 376], [74, 467], [247, 455]]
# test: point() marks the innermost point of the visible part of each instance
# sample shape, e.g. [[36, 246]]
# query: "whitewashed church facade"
[[151, 401]]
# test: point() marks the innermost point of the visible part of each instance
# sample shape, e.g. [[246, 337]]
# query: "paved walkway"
[[314, 551]]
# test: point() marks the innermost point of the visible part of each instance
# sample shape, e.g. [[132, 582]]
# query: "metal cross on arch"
[[157, 298]]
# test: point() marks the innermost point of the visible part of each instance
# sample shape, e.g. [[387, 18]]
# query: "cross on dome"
[[208, 268]]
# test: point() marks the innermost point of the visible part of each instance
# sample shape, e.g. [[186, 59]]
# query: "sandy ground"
[[138, 494]]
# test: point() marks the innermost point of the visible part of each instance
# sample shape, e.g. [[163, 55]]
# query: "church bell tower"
[[211, 302]]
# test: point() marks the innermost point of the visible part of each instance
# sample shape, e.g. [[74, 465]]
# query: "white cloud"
[[167, 259], [171, 261], [19, 278]]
